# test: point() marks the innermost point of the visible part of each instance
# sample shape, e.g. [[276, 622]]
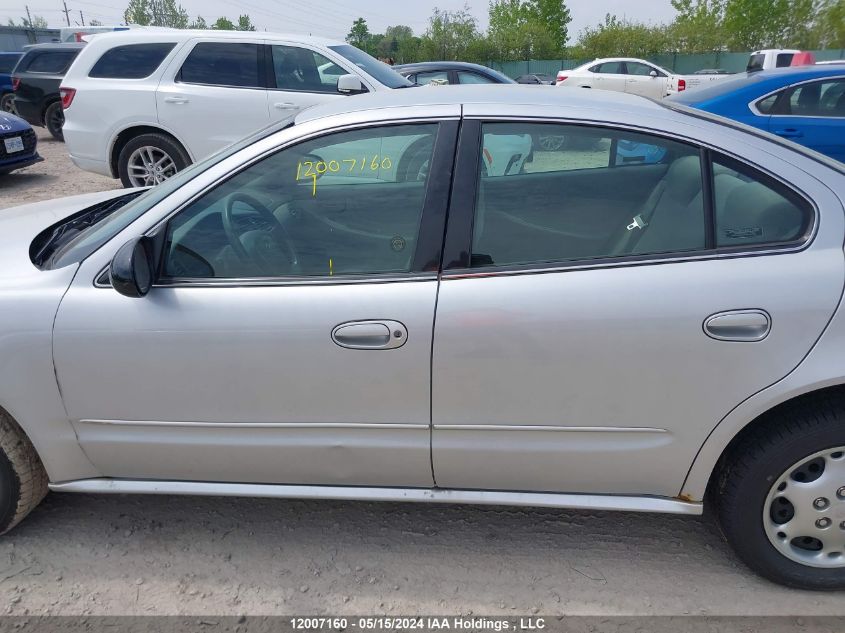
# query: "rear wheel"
[[23, 480], [150, 159], [54, 119], [782, 497], [7, 103]]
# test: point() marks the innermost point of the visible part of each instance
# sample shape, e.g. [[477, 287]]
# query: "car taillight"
[[682, 85], [561, 78], [16, 81], [67, 96]]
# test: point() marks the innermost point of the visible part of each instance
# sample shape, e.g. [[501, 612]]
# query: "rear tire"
[[781, 496], [23, 480], [160, 145], [54, 120], [7, 103]]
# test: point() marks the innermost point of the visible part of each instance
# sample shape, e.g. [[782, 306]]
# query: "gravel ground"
[[115, 555], [57, 176]]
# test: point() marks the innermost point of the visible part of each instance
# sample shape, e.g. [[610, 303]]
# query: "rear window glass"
[[7, 62], [220, 64], [50, 61], [784, 59], [134, 61]]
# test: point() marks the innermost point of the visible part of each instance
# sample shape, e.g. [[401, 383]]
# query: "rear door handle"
[[176, 100], [738, 325], [285, 106], [789, 133], [378, 334]]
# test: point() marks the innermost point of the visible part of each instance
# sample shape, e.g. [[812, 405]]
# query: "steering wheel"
[[261, 251]]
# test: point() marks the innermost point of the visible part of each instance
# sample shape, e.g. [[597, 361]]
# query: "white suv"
[[141, 105]]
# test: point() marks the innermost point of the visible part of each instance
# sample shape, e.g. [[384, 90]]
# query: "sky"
[[329, 18]]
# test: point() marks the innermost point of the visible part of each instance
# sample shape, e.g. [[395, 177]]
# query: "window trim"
[[457, 254], [433, 217], [261, 73], [790, 89]]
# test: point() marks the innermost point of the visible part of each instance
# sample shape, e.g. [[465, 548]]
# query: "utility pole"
[[66, 12], [81, 17], [28, 17]]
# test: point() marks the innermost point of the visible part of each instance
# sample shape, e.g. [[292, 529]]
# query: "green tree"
[[138, 12], [359, 34], [828, 29], [553, 15], [399, 43], [451, 35], [698, 27], [517, 31], [199, 23], [753, 24], [245, 23], [624, 38], [223, 24]]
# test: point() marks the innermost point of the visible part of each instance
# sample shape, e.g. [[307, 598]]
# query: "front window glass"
[[635, 68], [379, 71], [326, 207], [222, 64], [301, 69], [584, 193], [435, 77]]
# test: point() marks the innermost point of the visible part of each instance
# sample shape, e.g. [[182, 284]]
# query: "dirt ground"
[[57, 176], [116, 555]]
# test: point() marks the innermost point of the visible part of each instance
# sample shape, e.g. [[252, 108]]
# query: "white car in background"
[[621, 74], [141, 105]]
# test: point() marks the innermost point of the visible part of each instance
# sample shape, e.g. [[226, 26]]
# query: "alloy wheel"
[[149, 165]]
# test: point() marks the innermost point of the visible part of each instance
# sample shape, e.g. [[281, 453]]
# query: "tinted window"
[[322, 208], [764, 106], [439, 76], [304, 70], [55, 62], [134, 61], [380, 71], [817, 99], [784, 59], [610, 68], [222, 64], [600, 193], [473, 78], [756, 62], [7, 62], [752, 209], [641, 69]]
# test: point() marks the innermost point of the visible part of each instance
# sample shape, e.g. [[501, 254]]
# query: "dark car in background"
[[7, 94], [451, 73], [18, 143], [36, 83], [540, 79]]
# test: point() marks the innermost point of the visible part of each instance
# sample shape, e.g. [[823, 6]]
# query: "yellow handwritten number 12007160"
[[310, 169]]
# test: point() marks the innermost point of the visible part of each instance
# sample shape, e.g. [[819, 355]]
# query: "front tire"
[[23, 480], [781, 496], [54, 120], [149, 159]]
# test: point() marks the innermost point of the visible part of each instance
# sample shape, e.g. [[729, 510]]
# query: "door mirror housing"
[[350, 85], [131, 271], [653, 74]]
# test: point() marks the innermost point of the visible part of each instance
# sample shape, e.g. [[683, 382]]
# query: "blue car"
[[18, 143], [8, 61], [805, 104]]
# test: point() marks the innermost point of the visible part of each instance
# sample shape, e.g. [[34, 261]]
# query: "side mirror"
[[350, 85], [653, 74], [131, 270]]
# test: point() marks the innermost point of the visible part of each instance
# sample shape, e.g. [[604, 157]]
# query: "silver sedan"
[[379, 300]]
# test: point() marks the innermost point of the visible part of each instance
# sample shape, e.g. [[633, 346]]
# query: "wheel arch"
[[127, 134], [744, 420]]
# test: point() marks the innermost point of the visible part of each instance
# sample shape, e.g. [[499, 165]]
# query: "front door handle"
[[789, 133], [370, 334], [285, 106], [738, 325], [176, 100]]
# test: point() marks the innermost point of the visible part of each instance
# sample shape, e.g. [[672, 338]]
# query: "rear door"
[[584, 337], [214, 93], [610, 76], [813, 114]]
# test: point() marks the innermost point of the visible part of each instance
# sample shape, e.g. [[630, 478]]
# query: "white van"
[[141, 105]]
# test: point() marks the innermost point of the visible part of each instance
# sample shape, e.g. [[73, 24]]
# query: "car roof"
[[443, 65], [182, 35], [55, 46], [487, 94]]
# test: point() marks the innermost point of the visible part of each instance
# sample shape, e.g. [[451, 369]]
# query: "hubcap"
[[150, 165], [804, 513]]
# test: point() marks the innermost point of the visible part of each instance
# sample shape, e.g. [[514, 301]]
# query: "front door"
[[301, 78], [589, 340], [214, 94], [640, 82], [288, 338]]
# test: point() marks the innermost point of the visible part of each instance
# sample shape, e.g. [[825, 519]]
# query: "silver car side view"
[[364, 302]]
